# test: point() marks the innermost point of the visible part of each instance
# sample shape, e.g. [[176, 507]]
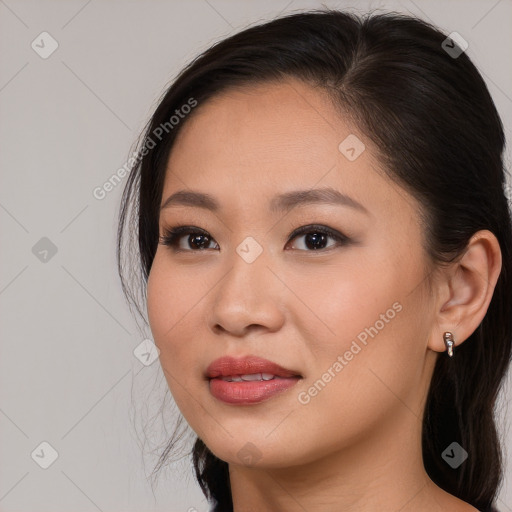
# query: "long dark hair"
[[431, 117]]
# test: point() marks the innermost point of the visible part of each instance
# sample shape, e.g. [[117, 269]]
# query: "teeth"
[[249, 377]]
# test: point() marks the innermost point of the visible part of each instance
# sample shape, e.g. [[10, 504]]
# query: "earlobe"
[[471, 281]]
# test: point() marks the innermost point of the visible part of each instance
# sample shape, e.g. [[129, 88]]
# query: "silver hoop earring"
[[448, 341]]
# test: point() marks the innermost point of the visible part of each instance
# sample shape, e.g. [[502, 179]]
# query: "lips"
[[247, 366], [249, 380]]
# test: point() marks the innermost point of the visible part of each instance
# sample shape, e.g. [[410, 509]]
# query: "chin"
[[259, 452]]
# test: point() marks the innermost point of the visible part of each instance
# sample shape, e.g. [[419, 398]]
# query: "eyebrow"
[[285, 201]]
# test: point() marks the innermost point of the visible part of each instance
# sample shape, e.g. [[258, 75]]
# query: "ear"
[[465, 290]]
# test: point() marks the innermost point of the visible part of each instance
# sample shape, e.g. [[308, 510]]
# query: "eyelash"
[[172, 236]]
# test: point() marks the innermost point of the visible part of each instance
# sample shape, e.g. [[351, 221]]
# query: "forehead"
[[257, 141], [278, 126], [265, 123]]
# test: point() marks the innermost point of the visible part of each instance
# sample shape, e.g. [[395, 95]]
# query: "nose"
[[248, 298]]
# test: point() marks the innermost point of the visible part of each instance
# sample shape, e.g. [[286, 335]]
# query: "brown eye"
[[316, 237], [198, 239]]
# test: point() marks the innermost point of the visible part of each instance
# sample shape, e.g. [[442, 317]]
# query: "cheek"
[[343, 300], [174, 308], [170, 303], [165, 308], [355, 386], [368, 316], [159, 302]]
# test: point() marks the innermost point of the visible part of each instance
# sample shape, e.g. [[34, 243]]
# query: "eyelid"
[[339, 237], [173, 234]]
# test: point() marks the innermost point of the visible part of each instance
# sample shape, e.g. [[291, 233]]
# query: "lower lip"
[[249, 392]]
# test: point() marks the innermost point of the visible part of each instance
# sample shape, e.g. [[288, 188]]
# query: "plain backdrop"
[[73, 395]]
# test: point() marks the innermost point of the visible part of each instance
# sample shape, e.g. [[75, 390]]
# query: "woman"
[[326, 249]]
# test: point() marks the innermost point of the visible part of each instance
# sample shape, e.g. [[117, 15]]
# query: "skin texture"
[[356, 445]]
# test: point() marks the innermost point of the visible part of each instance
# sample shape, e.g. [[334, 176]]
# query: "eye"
[[199, 239], [317, 236]]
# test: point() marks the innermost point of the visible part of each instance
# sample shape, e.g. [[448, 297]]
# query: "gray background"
[[68, 374]]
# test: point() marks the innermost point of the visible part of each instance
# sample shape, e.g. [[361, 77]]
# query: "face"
[[343, 305]]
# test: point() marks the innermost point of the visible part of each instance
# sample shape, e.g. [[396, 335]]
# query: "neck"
[[383, 471]]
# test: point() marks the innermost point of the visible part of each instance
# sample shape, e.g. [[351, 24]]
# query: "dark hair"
[[438, 134]]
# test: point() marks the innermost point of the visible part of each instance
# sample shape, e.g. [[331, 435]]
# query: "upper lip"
[[227, 365]]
